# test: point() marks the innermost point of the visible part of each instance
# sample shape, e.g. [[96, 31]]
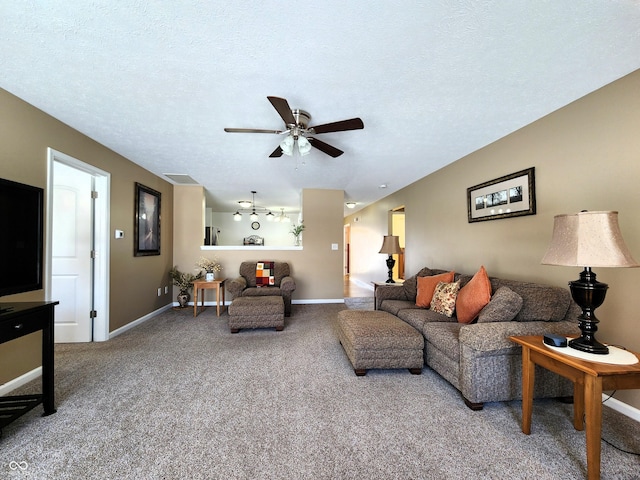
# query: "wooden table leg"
[[195, 302], [578, 405], [593, 420], [528, 379], [218, 299], [222, 287]]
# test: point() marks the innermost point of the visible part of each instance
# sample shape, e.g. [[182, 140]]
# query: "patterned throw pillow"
[[444, 298], [503, 307], [265, 274]]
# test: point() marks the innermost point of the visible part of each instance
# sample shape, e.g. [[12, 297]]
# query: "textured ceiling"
[[433, 81]]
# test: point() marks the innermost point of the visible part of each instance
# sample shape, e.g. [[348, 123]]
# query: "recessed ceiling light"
[[382, 185]]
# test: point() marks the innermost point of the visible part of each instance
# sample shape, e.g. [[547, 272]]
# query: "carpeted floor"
[[178, 398]]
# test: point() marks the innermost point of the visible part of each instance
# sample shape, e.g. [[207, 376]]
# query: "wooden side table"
[[589, 380], [201, 286]]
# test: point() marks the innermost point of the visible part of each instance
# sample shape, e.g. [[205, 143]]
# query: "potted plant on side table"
[[184, 282], [210, 267]]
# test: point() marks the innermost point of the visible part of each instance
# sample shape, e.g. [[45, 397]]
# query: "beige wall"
[[586, 156], [317, 268], [25, 134]]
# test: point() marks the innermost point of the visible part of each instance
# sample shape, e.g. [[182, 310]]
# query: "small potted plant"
[[296, 231], [210, 267], [184, 282]]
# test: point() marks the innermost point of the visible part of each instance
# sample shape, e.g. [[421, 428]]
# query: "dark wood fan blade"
[[276, 153], [325, 147], [251, 130], [341, 126], [283, 109]]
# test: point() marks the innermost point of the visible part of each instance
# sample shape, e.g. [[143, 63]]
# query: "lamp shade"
[[588, 239], [390, 245]]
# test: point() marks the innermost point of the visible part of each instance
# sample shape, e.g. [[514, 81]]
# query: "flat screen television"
[[21, 237]]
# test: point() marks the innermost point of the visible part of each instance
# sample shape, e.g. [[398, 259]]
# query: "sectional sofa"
[[478, 358]]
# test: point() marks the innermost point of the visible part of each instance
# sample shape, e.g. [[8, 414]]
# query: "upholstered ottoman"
[[377, 339], [256, 312]]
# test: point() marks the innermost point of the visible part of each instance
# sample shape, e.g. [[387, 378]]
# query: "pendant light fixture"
[[251, 206]]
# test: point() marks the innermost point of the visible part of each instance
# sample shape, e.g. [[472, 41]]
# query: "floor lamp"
[[588, 239], [390, 246]]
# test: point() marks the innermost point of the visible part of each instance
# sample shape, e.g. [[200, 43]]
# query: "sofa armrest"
[[236, 286], [492, 336], [288, 284], [389, 292]]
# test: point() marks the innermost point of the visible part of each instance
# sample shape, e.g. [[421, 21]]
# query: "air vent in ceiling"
[[181, 179]]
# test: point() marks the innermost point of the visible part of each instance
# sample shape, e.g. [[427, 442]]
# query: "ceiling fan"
[[298, 130]]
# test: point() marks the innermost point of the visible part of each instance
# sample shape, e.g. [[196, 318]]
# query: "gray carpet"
[[179, 398]]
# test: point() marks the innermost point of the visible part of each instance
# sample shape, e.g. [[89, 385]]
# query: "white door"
[[71, 262]]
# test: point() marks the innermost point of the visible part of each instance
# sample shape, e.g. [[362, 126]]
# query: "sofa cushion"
[[417, 317], [539, 302], [444, 337], [473, 297], [394, 306], [427, 285], [262, 292], [503, 307], [444, 298]]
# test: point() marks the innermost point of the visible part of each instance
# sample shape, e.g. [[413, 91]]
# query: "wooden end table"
[[202, 285], [589, 380]]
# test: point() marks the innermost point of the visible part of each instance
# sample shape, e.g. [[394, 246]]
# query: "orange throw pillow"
[[427, 285], [473, 297]]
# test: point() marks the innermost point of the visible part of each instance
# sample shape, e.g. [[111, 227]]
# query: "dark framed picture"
[[146, 222], [513, 195]]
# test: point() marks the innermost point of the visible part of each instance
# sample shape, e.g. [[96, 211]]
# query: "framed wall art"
[[513, 195], [146, 222]]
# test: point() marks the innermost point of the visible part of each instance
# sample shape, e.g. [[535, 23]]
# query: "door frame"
[[102, 185]]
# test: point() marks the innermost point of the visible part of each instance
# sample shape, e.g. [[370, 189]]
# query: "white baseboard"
[[317, 300], [137, 322], [212, 303], [360, 283], [11, 385], [622, 407]]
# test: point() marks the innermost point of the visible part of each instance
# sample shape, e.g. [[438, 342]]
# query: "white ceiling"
[[158, 81]]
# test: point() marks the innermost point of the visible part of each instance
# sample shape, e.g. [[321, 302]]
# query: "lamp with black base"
[[390, 246], [593, 239]]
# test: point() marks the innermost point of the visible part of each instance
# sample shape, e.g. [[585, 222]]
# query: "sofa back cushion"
[[539, 302], [503, 307]]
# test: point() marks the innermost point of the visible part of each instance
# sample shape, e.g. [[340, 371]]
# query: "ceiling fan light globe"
[[287, 145], [304, 146]]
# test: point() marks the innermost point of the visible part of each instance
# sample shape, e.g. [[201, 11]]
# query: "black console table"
[[18, 320]]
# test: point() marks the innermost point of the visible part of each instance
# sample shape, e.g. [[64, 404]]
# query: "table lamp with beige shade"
[[588, 239]]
